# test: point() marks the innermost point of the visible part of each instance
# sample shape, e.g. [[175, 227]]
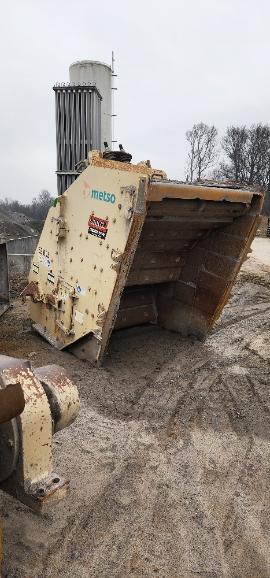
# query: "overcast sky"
[[178, 62]]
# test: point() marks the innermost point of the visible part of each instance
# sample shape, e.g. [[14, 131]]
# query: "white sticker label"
[[78, 316], [45, 261]]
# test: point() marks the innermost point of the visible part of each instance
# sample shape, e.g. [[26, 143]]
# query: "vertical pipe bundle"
[[78, 129]]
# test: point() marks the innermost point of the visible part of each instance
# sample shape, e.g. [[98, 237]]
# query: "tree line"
[[36, 210], [242, 155]]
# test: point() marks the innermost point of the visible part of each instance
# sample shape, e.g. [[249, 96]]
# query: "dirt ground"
[[262, 229], [169, 460]]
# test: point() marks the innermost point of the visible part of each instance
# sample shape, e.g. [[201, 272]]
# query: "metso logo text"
[[103, 196]]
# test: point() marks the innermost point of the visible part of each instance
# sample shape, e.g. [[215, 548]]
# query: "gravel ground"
[[169, 458]]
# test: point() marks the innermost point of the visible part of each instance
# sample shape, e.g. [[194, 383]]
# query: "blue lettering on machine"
[[103, 196]]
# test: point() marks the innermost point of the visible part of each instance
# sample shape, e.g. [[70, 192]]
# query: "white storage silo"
[[90, 72]]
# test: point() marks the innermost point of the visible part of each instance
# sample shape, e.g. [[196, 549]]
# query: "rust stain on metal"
[[55, 491], [101, 315], [96, 160], [32, 290], [25, 377], [116, 256], [50, 299], [53, 373]]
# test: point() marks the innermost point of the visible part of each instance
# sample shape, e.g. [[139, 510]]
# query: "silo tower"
[[97, 74], [83, 117]]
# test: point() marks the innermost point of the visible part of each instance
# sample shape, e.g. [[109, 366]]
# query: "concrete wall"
[[4, 282], [20, 253]]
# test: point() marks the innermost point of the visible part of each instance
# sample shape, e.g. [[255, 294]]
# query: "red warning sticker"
[[97, 226]]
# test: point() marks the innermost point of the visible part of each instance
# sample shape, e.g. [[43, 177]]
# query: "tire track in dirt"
[[169, 462]]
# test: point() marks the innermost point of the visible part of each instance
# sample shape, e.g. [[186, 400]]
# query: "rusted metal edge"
[[31, 290], [239, 262], [160, 190], [39, 499], [96, 160], [132, 242]]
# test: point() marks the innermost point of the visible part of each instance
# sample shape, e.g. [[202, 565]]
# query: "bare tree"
[[41, 204], [203, 150], [258, 154], [191, 164], [37, 209], [247, 153], [234, 144]]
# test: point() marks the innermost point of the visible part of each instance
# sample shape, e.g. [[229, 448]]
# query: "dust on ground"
[[169, 458], [261, 251]]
